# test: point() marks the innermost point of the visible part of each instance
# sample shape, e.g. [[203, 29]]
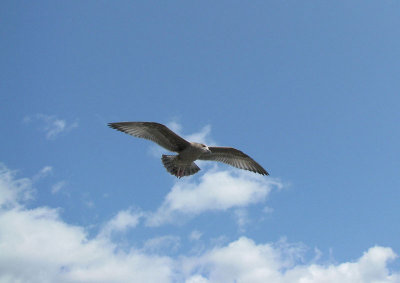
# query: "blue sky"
[[309, 89]]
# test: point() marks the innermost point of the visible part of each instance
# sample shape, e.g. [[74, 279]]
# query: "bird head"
[[205, 148]]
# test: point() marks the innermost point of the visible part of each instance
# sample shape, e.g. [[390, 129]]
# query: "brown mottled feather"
[[155, 132], [233, 157]]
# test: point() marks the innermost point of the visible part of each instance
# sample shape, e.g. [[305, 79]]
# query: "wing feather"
[[155, 132], [233, 157]]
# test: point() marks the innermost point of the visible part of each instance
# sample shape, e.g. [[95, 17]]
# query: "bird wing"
[[155, 132], [233, 157]]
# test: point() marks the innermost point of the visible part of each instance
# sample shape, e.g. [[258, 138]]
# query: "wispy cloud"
[[13, 191], [242, 218], [195, 235], [50, 124], [58, 186], [121, 222], [203, 136], [162, 244], [44, 172], [52, 250], [175, 126]]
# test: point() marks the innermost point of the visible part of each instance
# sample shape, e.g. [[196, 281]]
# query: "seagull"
[[183, 164]]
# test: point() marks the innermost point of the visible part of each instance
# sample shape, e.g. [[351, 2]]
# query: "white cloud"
[[216, 190], [203, 136], [13, 191], [121, 222], [195, 235], [43, 173], [58, 186], [162, 244], [245, 261], [53, 251], [51, 125], [38, 246], [175, 126], [197, 279], [50, 250], [268, 210], [242, 218]]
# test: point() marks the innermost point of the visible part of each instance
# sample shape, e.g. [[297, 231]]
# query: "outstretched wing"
[[155, 132], [233, 157]]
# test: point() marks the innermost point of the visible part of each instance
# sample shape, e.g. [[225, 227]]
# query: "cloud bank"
[[245, 261], [38, 246]]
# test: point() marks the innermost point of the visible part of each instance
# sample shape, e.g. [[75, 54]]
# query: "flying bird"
[[183, 164]]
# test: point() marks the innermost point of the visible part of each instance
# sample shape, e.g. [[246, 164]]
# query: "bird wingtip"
[[112, 125]]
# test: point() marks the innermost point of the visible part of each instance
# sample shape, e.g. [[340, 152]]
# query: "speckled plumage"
[[183, 164]]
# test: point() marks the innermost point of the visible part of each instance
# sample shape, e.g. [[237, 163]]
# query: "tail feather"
[[178, 170]]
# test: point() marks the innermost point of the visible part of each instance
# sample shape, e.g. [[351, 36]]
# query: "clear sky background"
[[309, 89]]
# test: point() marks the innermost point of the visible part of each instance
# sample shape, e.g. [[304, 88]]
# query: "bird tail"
[[178, 170]]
